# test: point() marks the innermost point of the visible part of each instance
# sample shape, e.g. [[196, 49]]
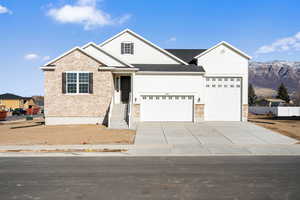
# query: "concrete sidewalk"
[[154, 150]]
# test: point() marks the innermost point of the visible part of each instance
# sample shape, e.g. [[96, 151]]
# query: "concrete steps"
[[118, 117]]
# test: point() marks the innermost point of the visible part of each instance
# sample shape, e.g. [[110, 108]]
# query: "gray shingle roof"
[[169, 68], [10, 96], [186, 55]]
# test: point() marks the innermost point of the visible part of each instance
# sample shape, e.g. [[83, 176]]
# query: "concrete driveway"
[[208, 133]]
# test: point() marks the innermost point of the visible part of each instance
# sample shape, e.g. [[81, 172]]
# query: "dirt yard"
[[286, 126], [35, 133]]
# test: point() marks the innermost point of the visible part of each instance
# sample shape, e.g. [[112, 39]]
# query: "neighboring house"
[[11, 101], [129, 78], [271, 102], [29, 102]]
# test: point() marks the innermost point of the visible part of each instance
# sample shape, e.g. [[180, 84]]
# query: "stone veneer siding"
[[58, 104], [245, 113], [136, 112], [199, 112]]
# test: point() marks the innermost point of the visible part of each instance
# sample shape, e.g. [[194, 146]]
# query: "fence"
[[280, 111]]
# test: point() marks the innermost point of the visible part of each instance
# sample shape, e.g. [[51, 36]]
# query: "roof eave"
[[107, 53], [165, 72]]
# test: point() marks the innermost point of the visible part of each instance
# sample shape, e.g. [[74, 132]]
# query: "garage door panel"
[[223, 99], [167, 108]]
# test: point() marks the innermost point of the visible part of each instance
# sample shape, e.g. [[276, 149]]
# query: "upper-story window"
[[127, 48], [77, 82]]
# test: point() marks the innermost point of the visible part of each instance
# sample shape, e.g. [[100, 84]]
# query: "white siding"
[[143, 52], [223, 61], [168, 85]]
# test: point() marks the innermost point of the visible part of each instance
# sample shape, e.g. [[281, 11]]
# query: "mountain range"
[[267, 76]]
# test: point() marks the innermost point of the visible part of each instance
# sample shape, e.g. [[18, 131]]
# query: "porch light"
[[199, 99]]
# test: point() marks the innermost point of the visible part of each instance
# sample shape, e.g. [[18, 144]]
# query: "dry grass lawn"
[[286, 126], [35, 133]]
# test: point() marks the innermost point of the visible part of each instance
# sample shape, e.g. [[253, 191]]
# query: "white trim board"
[[70, 51], [107, 53], [145, 40]]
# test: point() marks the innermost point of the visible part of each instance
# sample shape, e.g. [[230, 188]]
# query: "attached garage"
[[223, 99], [167, 108]]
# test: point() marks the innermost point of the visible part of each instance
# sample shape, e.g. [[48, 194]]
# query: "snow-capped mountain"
[[272, 74]]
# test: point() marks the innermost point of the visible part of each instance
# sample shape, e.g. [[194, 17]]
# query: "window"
[[83, 83], [77, 82], [126, 48], [71, 82]]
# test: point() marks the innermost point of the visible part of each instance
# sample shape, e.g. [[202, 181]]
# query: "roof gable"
[[110, 59], [50, 65], [227, 45], [157, 48]]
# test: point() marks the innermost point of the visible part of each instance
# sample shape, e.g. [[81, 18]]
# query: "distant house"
[[12, 101], [271, 102], [29, 102]]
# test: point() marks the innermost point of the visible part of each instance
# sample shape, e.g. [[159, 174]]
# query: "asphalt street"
[[136, 178]]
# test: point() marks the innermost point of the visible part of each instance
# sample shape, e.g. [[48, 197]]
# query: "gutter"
[[156, 72], [117, 69], [47, 68]]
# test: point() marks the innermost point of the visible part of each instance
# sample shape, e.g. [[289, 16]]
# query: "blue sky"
[[34, 31]]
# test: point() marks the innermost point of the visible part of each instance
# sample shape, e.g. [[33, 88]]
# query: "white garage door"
[[222, 99], [167, 108]]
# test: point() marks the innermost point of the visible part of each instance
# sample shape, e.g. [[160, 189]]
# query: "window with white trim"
[[126, 48], [77, 82]]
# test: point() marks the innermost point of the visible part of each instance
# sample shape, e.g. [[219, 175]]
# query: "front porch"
[[121, 103]]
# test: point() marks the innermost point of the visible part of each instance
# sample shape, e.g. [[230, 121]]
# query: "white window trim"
[[127, 42], [77, 83]]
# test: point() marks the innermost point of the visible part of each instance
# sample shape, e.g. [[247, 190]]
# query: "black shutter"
[[122, 48], [91, 83], [131, 45], [63, 84]]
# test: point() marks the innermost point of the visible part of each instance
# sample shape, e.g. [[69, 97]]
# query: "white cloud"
[[31, 56], [86, 13], [4, 10], [284, 44], [46, 58], [124, 19], [34, 56], [172, 39]]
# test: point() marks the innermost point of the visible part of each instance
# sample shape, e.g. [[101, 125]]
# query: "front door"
[[125, 88]]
